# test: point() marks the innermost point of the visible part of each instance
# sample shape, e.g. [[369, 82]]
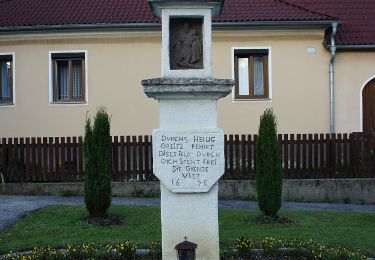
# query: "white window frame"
[[262, 100], [50, 62], [13, 104]]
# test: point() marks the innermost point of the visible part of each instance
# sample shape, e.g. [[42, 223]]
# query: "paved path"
[[13, 207]]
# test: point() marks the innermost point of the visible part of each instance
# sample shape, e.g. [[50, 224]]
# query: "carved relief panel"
[[186, 43]]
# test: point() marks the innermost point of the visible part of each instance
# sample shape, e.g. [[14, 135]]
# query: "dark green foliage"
[[268, 166], [97, 153]]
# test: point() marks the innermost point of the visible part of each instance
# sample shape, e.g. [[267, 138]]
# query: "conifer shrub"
[[97, 154], [268, 166]]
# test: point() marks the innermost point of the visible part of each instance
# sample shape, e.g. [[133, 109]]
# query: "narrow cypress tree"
[[268, 166], [97, 152]]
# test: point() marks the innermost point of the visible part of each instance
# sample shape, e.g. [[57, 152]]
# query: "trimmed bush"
[[97, 153], [268, 166]]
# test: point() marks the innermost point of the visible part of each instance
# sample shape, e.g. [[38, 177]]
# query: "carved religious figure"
[[187, 48]]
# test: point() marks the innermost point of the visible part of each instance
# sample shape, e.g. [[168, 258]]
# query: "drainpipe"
[[332, 79]]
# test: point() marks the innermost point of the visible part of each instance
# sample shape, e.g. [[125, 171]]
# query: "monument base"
[[194, 215]]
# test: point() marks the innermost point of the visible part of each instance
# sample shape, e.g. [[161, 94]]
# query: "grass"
[[63, 224], [353, 230]]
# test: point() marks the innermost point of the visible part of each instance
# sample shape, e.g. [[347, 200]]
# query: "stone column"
[[188, 148]]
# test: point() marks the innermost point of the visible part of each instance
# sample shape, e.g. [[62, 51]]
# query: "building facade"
[[52, 75]]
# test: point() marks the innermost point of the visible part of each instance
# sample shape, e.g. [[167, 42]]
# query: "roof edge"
[[157, 26], [348, 47], [318, 24], [73, 27]]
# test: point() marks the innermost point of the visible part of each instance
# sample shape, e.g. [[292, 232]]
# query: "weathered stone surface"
[[212, 88], [188, 161], [188, 82]]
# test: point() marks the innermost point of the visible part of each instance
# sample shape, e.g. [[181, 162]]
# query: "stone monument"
[[188, 148]]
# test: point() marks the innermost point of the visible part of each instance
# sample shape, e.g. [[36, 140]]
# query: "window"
[[68, 71], [251, 73], [6, 79]]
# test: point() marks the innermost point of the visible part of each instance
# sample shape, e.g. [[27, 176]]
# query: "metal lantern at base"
[[186, 250]]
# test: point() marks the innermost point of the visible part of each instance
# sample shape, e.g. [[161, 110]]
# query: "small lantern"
[[186, 250]]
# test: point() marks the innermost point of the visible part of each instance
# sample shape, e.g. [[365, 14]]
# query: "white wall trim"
[[13, 104], [269, 99], [51, 103], [361, 102]]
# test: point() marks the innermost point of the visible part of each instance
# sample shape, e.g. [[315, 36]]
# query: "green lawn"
[[62, 224]]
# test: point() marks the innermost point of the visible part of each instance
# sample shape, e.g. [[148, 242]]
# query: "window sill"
[[7, 105], [252, 100], [69, 103]]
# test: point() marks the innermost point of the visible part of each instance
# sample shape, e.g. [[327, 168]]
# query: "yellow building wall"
[[118, 61], [353, 71], [116, 65], [299, 82]]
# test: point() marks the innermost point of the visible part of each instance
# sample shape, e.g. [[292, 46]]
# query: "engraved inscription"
[[186, 48], [190, 162]]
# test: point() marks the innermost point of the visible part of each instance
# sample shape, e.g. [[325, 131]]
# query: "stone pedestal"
[[188, 151], [188, 148]]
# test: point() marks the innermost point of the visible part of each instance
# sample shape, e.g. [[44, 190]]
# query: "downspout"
[[332, 79]]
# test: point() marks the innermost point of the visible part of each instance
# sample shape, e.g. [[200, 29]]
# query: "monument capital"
[[214, 5], [179, 88]]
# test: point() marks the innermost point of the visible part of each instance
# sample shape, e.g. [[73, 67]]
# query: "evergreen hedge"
[[268, 166], [97, 154]]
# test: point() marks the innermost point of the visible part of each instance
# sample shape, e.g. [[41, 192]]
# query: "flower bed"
[[121, 250], [242, 249], [274, 248]]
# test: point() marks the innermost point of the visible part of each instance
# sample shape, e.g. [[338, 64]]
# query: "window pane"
[[258, 76], [62, 80], [6, 80], [243, 76], [77, 78]]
